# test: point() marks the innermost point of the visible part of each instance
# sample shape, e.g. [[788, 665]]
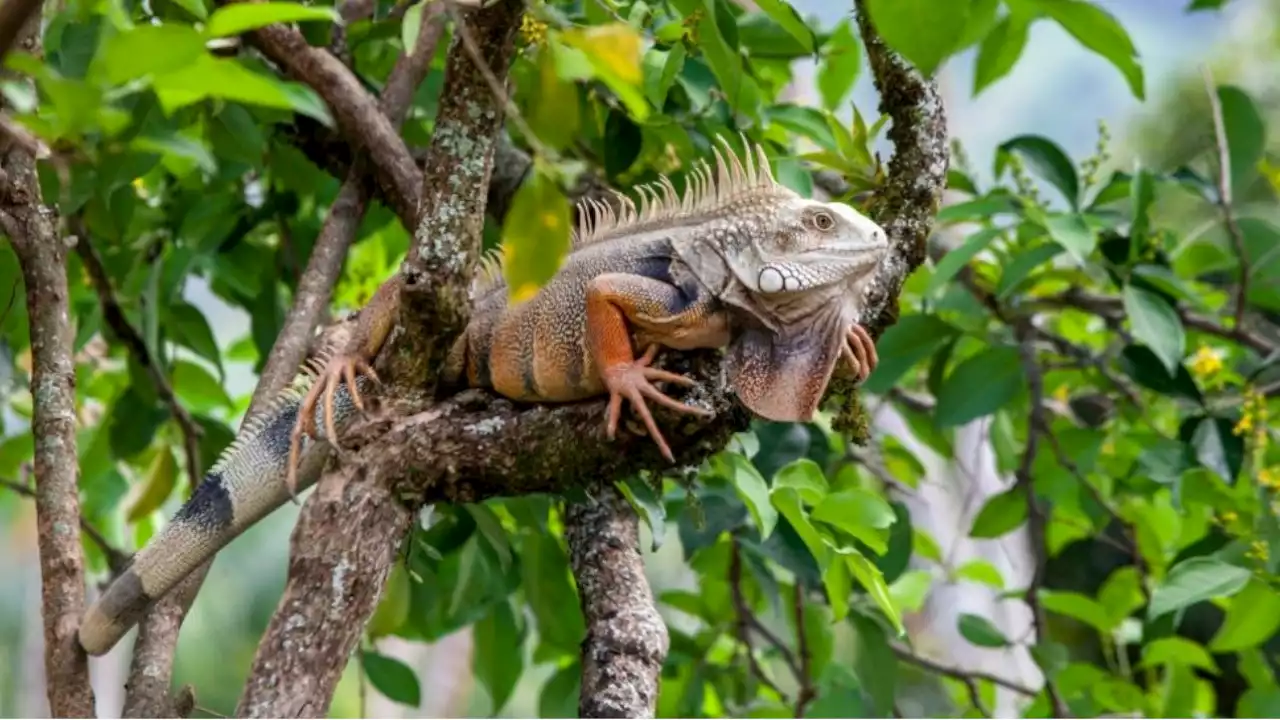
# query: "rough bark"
[[349, 532], [32, 229], [626, 640]]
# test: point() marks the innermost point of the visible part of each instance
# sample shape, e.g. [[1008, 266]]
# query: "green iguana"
[[738, 261]]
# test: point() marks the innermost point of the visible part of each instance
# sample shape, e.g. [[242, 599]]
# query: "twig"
[[1225, 196], [742, 623], [1083, 356], [114, 316], [1112, 309], [500, 93], [116, 558], [1037, 425], [966, 676], [805, 675]]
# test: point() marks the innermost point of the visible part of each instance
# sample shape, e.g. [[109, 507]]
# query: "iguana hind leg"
[[618, 304], [373, 326]]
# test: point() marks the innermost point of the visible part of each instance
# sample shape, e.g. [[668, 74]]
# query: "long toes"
[[349, 374], [329, 425], [642, 409], [367, 369], [667, 401], [664, 376], [851, 358], [650, 353], [614, 413]]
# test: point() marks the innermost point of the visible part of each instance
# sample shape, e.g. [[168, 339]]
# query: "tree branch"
[[42, 255], [626, 640], [349, 532], [361, 122], [965, 676], [1037, 425], [113, 315], [14, 16], [1224, 197], [116, 558]]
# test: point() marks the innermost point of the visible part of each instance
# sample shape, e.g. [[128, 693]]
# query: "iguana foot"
[[339, 368], [634, 382], [860, 350]]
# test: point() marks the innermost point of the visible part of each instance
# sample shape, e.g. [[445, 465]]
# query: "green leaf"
[[157, 485], [645, 501], [498, 658], [197, 389], [910, 589], [979, 386], [188, 327], [1122, 594], [854, 510], [148, 50], [838, 582], [559, 697], [981, 571], [392, 678], [1078, 606], [787, 501], [1046, 159], [925, 32], [956, 259], [1001, 514], [751, 488], [1072, 233], [1214, 445], [208, 76], [1196, 580], [549, 592], [905, 343], [981, 631], [241, 17], [1000, 51], [615, 51], [805, 477], [1155, 323], [872, 580], [1024, 263], [875, 666], [1252, 619], [536, 235], [662, 68], [786, 16], [841, 62], [1098, 31], [393, 607], [554, 117], [1177, 651], [1246, 132]]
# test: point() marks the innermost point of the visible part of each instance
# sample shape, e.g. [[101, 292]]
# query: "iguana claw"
[[860, 350], [339, 368], [633, 381]]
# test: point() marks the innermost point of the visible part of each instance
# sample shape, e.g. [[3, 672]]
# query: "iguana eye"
[[823, 220]]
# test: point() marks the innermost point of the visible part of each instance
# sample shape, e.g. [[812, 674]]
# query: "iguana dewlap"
[[737, 262]]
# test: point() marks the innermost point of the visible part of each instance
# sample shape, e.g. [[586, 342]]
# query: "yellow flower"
[[1061, 393], [1244, 426], [1206, 362], [1228, 517], [1269, 477]]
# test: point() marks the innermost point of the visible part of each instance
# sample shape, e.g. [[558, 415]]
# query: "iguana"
[[738, 261]]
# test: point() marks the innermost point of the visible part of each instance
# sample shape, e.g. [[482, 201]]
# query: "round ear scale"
[[771, 280]]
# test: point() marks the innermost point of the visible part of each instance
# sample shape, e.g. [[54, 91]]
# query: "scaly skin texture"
[[737, 262]]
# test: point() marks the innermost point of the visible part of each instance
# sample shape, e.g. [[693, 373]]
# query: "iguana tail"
[[245, 485]]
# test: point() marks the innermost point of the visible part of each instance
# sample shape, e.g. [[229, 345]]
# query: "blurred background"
[[1055, 90]]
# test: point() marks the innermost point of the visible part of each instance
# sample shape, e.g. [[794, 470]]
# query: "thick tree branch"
[[349, 532], [626, 640], [14, 15], [33, 232]]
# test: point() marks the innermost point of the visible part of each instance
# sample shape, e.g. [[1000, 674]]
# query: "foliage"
[[1094, 339]]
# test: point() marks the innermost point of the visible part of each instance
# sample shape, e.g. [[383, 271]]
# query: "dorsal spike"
[[766, 172], [736, 174], [723, 181], [670, 196], [748, 160]]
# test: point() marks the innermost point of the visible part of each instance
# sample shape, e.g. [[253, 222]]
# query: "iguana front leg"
[[373, 326], [860, 351], [619, 304]]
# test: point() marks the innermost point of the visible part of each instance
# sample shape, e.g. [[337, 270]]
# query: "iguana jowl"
[[738, 261]]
